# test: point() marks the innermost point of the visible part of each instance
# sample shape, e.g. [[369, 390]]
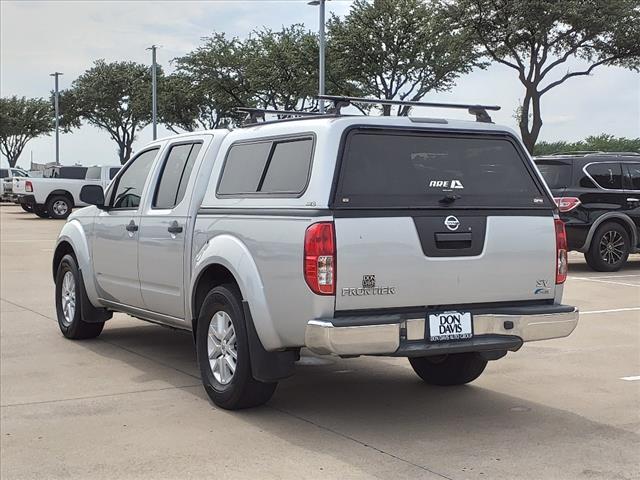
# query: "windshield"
[[414, 170]]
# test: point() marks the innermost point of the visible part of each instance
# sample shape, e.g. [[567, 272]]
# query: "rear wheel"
[[68, 301], [609, 248], [59, 207], [40, 211], [223, 352], [26, 208], [455, 369]]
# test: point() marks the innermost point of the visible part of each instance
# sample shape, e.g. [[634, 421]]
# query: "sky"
[[40, 37]]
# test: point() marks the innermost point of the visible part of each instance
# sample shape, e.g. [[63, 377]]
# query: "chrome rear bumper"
[[394, 335]]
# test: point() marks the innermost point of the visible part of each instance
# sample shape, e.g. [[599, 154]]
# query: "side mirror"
[[93, 195]]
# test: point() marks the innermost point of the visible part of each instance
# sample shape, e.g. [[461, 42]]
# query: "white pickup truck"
[[57, 195], [6, 185]]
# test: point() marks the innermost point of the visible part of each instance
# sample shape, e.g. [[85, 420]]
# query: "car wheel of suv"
[[26, 208], [445, 370], [68, 301], [59, 207], [609, 248], [40, 211], [223, 352]]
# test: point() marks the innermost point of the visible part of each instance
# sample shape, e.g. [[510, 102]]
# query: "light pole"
[[154, 93], [321, 4], [57, 112]]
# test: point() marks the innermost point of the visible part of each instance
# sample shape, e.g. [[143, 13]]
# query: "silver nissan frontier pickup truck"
[[425, 238]]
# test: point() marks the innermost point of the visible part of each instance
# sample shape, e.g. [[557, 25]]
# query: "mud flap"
[[267, 366], [88, 312]]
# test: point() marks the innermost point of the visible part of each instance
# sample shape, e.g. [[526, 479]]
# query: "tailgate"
[[18, 185], [397, 261], [427, 219]]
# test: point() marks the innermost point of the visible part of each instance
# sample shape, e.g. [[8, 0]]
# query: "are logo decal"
[[452, 184]]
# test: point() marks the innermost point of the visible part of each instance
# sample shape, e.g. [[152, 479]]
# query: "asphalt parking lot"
[[130, 404]]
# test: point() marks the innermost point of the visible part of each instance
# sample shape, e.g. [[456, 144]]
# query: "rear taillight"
[[28, 186], [562, 261], [566, 204], [320, 258]]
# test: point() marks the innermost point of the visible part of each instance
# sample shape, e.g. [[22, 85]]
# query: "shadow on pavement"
[[631, 266], [466, 431]]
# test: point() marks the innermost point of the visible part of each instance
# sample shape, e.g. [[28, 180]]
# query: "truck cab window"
[[175, 175], [128, 191]]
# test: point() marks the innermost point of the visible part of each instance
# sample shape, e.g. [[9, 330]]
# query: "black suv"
[[598, 195]]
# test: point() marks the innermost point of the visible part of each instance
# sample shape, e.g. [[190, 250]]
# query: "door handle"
[[132, 227], [174, 228], [631, 199]]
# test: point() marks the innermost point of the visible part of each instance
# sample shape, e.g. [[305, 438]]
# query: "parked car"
[[598, 195], [6, 182], [430, 239], [56, 194]]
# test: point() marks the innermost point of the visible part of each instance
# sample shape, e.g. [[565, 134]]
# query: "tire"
[[40, 211], [26, 208], [59, 207], [68, 303], [609, 248], [227, 388], [446, 370]]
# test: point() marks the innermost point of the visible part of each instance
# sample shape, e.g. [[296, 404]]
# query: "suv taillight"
[[28, 186], [566, 204], [562, 260], [320, 258]]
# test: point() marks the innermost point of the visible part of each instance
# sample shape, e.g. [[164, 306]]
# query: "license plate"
[[448, 326]]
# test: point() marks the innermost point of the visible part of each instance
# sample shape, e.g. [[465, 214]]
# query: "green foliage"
[[399, 49], [386, 49], [537, 37], [282, 68], [181, 105], [600, 143], [270, 69], [22, 119], [208, 84], [113, 96]]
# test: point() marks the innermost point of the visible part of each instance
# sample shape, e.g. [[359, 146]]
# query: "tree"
[[181, 105], [601, 143], [209, 83], [22, 119], [537, 37], [282, 68], [399, 49], [270, 69], [113, 96]]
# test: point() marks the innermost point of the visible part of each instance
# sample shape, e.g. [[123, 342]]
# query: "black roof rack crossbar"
[[255, 114], [480, 111]]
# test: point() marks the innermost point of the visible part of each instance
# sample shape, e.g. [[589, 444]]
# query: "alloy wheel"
[[612, 247], [68, 294], [222, 347]]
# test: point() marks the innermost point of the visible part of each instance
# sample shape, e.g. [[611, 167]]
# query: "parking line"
[[615, 276], [607, 281], [630, 379], [613, 310]]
